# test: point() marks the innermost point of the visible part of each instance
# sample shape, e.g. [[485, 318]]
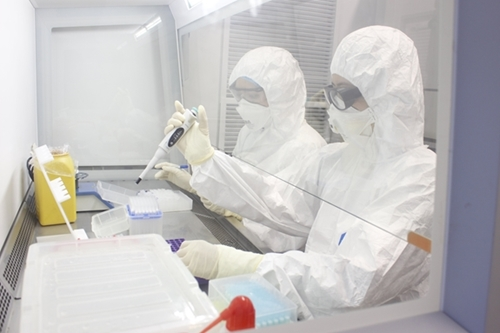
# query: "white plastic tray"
[[121, 284]]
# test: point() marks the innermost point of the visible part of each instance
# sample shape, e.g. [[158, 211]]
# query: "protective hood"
[[383, 63], [279, 146], [279, 74]]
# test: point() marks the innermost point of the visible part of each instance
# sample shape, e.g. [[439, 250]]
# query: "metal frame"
[[13, 257]]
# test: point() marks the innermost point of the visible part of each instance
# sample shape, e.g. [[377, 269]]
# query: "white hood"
[[383, 63], [280, 147], [279, 74]]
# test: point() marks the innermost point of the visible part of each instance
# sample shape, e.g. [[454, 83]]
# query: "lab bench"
[[199, 223]]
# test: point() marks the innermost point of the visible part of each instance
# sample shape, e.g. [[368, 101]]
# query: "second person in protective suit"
[[269, 87], [375, 188]]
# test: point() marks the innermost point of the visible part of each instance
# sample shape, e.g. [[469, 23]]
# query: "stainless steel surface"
[[182, 224], [199, 223], [12, 262]]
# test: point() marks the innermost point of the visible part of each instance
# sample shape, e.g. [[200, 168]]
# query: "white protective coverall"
[[277, 147], [348, 263]]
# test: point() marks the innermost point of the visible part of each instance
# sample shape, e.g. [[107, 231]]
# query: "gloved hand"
[[174, 174], [195, 144], [211, 261], [218, 209]]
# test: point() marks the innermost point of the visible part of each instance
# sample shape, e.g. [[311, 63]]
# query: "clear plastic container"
[[271, 307], [111, 222], [145, 216], [114, 193], [120, 284], [170, 200]]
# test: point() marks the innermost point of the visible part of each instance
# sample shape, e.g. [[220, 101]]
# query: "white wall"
[[17, 104]]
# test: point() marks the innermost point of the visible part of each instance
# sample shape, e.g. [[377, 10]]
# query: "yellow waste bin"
[[46, 207]]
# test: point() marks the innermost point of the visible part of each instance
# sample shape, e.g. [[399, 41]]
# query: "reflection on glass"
[[148, 26], [375, 188], [105, 83], [353, 202], [96, 88]]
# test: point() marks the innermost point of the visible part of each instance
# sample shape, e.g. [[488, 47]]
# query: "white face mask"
[[354, 126], [255, 116]]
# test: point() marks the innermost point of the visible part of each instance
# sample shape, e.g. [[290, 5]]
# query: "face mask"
[[354, 126], [255, 116]]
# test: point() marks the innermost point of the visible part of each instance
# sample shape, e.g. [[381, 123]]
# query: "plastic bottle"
[[239, 315]]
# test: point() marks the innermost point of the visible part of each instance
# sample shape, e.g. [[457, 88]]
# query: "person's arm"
[[372, 263], [237, 186], [362, 276], [257, 196]]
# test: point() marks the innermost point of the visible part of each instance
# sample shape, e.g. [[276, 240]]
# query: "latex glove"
[[200, 257], [195, 144], [211, 261], [218, 209], [174, 174]]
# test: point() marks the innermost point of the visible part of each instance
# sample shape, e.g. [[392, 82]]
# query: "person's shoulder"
[[309, 134], [419, 162], [332, 148], [422, 154], [329, 154]]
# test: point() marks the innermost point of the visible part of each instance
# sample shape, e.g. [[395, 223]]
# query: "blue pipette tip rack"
[[90, 188]]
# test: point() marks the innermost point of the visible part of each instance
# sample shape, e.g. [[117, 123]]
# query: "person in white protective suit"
[[382, 177], [269, 87]]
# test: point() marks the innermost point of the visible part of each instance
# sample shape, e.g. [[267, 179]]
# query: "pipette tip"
[[138, 180]]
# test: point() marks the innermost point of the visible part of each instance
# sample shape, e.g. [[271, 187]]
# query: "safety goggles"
[[341, 97], [252, 95]]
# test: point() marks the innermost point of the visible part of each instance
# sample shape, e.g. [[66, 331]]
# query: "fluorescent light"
[[140, 32], [153, 23], [148, 26]]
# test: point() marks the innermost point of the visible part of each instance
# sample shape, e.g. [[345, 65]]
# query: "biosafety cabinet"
[[109, 72]]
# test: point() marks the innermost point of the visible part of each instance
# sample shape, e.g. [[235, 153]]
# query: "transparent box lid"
[[271, 307], [121, 284]]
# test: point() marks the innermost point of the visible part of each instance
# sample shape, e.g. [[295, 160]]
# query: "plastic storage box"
[[111, 222], [145, 216], [122, 284], [141, 216], [114, 193], [271, 307], [170, 200]]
